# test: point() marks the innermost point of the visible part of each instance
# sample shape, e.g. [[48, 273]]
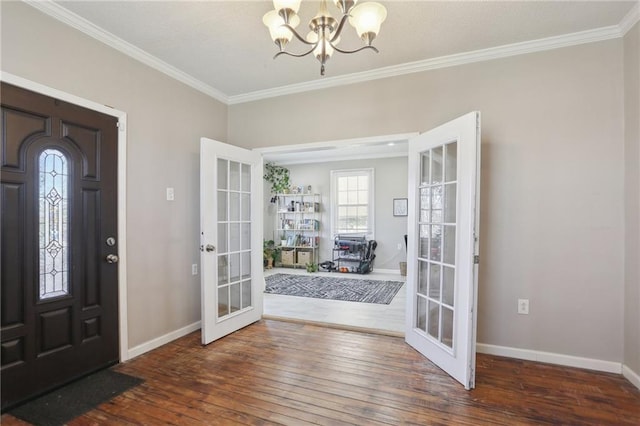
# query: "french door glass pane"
[[449, 252], [425, 178], [447, 326], [433, 323], [436, 234], [436, 249], [246, 178], [421, 313], [450, 203], [234, 206], [222, 238], [245, 259], [234, 297], [434, 281], [451, 162], [234, 267], [245, 243], [246, 294], [423, 277], [245, 200], [234, 176], [448, 280], [436, 165], [222, 205], [223, 171], [223, 270], [223, 301], [234, 237]]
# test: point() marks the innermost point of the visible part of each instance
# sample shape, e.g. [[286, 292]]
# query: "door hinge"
[[121, 126], [476, 259]]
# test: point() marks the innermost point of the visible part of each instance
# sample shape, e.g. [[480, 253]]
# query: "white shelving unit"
[[298, 228]]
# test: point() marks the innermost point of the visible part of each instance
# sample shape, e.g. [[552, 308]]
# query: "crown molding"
[[590, 36], [75, 21], [504, 51], [630, 19]]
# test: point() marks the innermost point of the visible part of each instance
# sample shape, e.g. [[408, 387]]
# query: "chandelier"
[[325, 30]]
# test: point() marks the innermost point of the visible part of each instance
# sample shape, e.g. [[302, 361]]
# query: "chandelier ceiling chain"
[[325, 32]]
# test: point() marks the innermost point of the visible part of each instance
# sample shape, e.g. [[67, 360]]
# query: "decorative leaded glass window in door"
[[53, 241]]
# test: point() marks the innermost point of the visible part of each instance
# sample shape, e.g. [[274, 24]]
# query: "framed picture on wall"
[[400, 206]]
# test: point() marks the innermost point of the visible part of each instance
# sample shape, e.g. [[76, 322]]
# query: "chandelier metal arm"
[[339, 29], [298, 36], [296, 55], [357, 50]]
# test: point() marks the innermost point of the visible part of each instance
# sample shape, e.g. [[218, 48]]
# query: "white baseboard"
[[631, 376], [162, 340], [551, 358], [386, 271]]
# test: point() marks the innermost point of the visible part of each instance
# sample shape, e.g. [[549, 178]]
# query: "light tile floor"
[[385, 318]]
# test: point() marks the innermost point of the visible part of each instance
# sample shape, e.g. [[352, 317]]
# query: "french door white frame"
[[214, 326], [459, 359]]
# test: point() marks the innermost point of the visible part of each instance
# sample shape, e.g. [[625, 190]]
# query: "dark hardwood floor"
[[289, 373]]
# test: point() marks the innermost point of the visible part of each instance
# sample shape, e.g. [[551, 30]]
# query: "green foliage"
[[312, 267], [277, 176], [270, 250]]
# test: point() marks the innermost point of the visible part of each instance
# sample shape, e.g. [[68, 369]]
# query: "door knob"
[[112, 258], [210, 248]]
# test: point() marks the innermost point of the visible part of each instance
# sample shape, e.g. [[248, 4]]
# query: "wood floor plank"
[[276, 372]]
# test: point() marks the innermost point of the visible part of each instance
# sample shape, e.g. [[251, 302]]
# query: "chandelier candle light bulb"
[[324, 37]]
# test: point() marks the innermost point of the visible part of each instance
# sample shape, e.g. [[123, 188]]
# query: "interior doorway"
[[308, 161]]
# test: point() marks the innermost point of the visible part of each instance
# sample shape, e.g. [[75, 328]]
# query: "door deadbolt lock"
[[111, 241], [112, 258]]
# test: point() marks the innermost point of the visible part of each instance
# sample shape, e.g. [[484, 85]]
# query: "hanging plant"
[[277, 176]]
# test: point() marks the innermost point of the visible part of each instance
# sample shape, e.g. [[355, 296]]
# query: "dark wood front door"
[[59, 288]]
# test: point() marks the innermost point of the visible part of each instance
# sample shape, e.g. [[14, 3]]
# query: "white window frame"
[[335, 174]]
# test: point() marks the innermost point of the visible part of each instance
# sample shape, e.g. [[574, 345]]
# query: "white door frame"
[[122, 188]]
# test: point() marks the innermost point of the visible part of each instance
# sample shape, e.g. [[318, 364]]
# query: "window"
[[352, 202]]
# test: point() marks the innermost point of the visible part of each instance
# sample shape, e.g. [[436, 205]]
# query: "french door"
[[443, 245], [231, 201]]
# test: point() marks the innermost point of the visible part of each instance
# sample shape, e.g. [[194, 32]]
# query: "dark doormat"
[[75, 399]]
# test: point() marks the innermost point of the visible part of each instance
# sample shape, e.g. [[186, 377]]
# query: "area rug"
[[73, 400], [334, 288]]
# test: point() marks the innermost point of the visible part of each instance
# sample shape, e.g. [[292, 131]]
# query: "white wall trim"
[[162, 340], [599, 34], [79, 23], [551, 358], [630, 19], [631, 376], [386, 271], [122, 188]]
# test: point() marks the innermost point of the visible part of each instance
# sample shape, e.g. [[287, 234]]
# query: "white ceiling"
[[223, 49]]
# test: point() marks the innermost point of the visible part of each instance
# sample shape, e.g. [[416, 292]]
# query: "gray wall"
[[552, 196], [390, 182], [166, 120], [632, 193]]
